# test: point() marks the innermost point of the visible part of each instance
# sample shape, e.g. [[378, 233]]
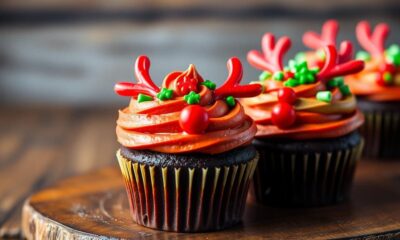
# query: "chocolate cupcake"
[[307, 127], [378, 91], [186, 154]]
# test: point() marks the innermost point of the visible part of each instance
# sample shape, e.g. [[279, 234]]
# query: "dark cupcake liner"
[[295, 178], [186, 199], [381, 131]]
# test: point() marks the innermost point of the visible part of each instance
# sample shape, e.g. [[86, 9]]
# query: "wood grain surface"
[[95, 205], [41, 145]]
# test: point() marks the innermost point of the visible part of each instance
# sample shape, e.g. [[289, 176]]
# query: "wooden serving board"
[[95, 205]]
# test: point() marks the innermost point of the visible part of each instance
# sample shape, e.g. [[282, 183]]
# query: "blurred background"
[[59, 61]]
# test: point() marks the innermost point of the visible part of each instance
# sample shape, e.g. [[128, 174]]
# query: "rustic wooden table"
[[39, 146]]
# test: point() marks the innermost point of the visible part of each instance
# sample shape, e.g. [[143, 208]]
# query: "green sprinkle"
[[336, 82], [324, 96], [387, 77], [321, 54], [345, 90], [393, 49], [264, 76], [301, 56], [230, 101], [209, 84], [278, 76], [315, 70], [302, 66], [310, 78], [362, 55], [192, 98], [144, 98], [394, 59], [165, 94], [291, 82], [302, 79], [292, 65]]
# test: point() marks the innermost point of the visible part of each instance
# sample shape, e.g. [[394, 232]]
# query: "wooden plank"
[[99, 208], [52, 144]]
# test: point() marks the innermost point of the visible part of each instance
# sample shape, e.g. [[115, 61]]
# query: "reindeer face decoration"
[[184, 88], [386, 62], [336, 64]]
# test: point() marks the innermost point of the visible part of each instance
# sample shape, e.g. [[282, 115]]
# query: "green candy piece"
[[336, 82], [321, 54], [362, 55], [165, 94], [301, 56], [345, 90], [302, 70], [302, 79], [393, 49], [302, 66], [192, 98], [264, 76], [324, 96], [291, 82], [230, 101], [394, 59], [387, 77], [144, 98], [209, 84], [310, 78], [315, 70], [292, 65], [278, 76]]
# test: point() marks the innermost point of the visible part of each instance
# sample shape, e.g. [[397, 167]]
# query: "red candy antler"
[[332, 69], [273, 53], [231, 85], [328, 36], [145, 85], [374, 43]]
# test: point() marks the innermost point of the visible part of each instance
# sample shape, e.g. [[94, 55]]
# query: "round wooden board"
[[95, 205]]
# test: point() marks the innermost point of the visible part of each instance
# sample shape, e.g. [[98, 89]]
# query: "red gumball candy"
[[287, 95], [387, 67], [283, 115], [194, 119]]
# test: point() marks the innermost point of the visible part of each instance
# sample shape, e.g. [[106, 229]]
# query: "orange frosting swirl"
[[364, 84], [154, 125], [314, 119]]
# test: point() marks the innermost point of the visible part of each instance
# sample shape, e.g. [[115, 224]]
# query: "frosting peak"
[[188, 114]]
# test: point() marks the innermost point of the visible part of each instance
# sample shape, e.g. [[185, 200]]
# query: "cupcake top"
[[187, 114], [303, 101], [380, 80]]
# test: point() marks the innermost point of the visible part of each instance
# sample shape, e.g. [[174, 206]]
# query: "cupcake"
[[186, 155], [377, 88], [307, 123]]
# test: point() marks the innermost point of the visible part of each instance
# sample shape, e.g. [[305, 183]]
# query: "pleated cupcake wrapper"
[[305, 179], [381, 131], [186, 199]]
